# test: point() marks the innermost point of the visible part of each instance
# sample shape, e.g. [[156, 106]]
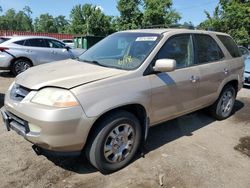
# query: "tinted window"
[[243, 51], [35, 43], [20, 42], [68, 41], [179, 48], [207, 50], [54, 43], [230, 45], [2, 39]]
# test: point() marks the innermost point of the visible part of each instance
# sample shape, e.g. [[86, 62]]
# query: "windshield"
[[125, 51], [2, 39]]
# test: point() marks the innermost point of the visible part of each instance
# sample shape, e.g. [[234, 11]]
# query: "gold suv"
[[104, 102]]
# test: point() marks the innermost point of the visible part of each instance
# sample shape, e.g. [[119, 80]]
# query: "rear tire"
[[20, 65], [223, 106], [114, 142]]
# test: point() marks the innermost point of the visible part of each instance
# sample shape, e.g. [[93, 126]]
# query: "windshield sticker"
[[146, 39]]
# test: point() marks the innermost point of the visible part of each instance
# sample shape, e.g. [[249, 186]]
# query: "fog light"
[[34, 128]]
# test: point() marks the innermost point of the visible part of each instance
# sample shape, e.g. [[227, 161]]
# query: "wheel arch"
[[21, 57], [234, 83], [137, 110]]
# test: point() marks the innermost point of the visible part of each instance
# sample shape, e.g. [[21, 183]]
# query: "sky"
[[191, 10]]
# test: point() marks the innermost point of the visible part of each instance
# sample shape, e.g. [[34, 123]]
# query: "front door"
[[174, 93], [57, 50], [35, 49]]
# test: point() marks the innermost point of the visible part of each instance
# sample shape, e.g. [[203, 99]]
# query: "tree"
[[159, 12], [62, 24], [188, 25], [45, 23], [130, 14], [232, 17], [89, 19], [9, 20], [24, 20], [20, 21]]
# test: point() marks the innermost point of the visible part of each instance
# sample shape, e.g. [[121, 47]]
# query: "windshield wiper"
[[93, 62]]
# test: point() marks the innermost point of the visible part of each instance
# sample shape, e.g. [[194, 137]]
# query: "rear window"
[[20, 42], [230, 45], [3, 39], [207, 49]]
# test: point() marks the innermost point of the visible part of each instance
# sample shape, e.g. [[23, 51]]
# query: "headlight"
[[11, 86], [55, 97]]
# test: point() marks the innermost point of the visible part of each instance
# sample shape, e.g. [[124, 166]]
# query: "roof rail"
[[181, 26]]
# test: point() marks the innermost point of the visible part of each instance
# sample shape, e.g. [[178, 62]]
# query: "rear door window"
[[207, 50], [179, 48], [230, 45], [35, 43], [3, 39], [20, 42]]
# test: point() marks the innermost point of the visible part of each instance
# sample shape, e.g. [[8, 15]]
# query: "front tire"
[[223, 106], [20, 65], [115, 141]]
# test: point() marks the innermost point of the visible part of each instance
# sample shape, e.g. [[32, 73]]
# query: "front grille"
[[18, 92], [17, 123]]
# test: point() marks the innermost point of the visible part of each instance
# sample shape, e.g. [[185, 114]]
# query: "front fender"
[[99, 98]]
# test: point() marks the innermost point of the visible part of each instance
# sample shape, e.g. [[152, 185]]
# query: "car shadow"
[[1, 100], [158, 136], [6, 74], [183, 126], [78, 164]]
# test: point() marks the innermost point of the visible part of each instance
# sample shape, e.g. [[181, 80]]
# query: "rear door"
[[175, 93], [57, 50], [212, 65]]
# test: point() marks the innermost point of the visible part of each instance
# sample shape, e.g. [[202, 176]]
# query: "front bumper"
[[54, 129], [247, 78]]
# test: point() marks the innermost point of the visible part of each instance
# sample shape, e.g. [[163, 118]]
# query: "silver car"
[[18, 53]]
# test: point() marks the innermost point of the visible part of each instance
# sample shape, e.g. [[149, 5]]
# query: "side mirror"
[[165, 65], [67, 48]]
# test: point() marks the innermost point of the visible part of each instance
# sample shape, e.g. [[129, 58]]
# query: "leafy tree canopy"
[[232, 17], [159, 12], [89, 19]]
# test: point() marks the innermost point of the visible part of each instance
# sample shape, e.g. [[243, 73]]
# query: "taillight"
[[3, 49]]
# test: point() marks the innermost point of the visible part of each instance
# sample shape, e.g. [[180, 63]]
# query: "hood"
[[66, 74]]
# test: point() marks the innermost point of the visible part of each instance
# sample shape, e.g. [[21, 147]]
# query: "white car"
[[69, 42]]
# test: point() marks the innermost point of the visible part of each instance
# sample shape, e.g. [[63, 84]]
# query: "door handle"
[[194, 79], [226, 71]]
